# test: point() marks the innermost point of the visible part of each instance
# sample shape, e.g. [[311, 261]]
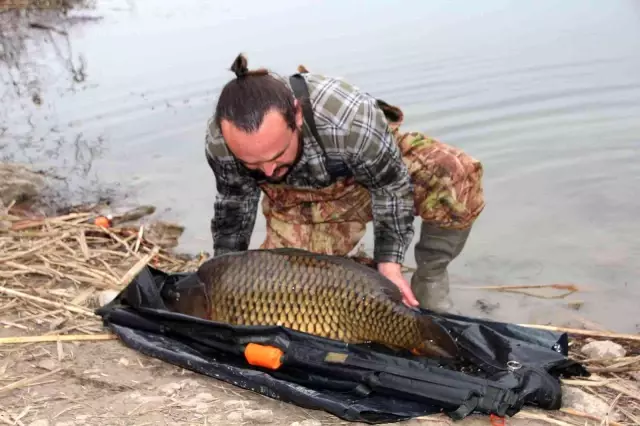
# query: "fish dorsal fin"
[[289, 251], [335, 259]]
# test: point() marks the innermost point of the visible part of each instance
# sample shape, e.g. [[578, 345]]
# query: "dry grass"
[[52, 269], [611, 381]]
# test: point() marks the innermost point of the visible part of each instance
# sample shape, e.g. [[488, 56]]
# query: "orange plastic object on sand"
[[497, 420], [103, 221], [263, 356]]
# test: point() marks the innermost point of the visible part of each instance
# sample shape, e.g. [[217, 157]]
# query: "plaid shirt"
[[354, 132]]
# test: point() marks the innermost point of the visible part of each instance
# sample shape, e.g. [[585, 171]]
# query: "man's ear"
[[299, 116]]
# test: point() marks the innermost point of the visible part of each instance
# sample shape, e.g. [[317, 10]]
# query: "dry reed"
[[53, 269]]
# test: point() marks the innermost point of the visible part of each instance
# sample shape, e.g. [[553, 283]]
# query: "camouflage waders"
[[448, 196]]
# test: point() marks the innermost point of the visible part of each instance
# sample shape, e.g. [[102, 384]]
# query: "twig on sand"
[[590, 383], [524, 287], [34, 248], [35, 223], [70, 308], [580, 414], [624, 390], [613, 369], [619, 365], [540, 416], [56, 338], [606, 420], [27, 381], [590, 333], [135, 269], [520, 289], [622, 362]]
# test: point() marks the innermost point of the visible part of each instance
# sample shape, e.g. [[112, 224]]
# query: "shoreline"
[[25, 199]]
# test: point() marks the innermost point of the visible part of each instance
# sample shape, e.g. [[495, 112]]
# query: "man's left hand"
[[393, 271]]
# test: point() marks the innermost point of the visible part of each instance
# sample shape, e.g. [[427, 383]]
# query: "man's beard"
[[287, 166], [280, 179]]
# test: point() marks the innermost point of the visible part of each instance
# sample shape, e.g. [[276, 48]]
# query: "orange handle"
[[263, 356], [103, 221], [497, 420]]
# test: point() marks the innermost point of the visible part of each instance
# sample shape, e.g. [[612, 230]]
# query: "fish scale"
[[329, 296]]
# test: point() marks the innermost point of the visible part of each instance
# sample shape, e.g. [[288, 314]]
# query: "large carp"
[[330, 296]]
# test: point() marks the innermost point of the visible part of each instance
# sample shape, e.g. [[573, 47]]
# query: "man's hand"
[[393, 272]]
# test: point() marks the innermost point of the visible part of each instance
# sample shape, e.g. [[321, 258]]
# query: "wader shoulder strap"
[[301, 91], [336, 168]]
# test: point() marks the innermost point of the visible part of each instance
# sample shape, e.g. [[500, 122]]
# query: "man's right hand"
[[393, 271]]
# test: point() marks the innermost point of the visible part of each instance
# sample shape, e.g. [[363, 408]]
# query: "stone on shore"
[[20, 184], [584, 402], [603, 349]]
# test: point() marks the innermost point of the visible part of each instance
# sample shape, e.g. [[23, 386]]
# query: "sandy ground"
[[106, 383]]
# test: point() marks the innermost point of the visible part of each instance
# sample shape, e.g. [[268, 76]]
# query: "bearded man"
[[329, 158]]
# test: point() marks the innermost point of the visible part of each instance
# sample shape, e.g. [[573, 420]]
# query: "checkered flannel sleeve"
[[377, 162], [235, 208]]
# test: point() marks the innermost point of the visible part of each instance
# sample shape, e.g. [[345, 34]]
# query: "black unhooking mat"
[[504, 366]]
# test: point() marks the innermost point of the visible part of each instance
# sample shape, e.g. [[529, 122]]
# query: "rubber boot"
[[435, 249]]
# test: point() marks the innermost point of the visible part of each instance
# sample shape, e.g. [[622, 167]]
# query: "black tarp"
[[504, 366]]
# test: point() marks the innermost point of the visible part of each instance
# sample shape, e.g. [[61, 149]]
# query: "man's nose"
[[269, 168]]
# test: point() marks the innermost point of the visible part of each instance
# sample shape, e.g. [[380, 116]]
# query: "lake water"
[[546, 94]]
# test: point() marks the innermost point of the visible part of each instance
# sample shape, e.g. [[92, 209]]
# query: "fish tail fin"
[[436, 340]]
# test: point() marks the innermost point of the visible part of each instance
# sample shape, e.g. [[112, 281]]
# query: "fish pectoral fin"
[[190, 281]]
